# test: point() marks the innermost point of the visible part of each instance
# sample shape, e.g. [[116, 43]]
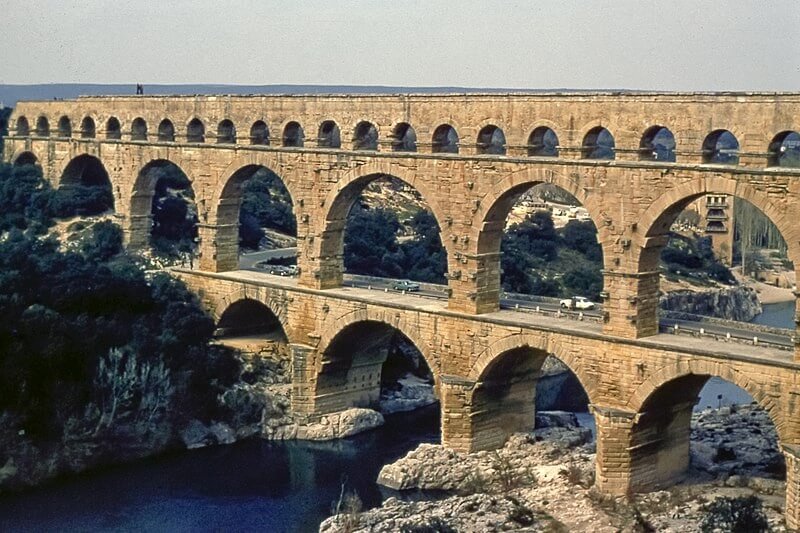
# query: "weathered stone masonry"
[[486, 361]]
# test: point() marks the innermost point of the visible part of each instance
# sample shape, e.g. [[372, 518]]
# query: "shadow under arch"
[[340, 200], [248, 317], [85, 187], [503, 398], [351, 357], [25, 158]]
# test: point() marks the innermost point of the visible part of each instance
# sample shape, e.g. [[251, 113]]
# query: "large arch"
[[246, 317], [659, 437], [228, 211], [503, 399], [341, 198], [25, 158], [348, 373], [84, 188], [140, 222]]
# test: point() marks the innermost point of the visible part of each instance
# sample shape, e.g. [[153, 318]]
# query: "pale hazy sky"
[[668, 45]]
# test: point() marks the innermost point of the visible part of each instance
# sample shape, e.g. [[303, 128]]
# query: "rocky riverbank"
[[543, 481], [738, 303]]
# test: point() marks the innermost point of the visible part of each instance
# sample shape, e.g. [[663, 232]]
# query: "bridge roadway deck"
[[702, 346]]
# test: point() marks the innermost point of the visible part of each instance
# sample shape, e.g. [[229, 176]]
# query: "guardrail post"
[[728, 335], [580, 315], [516, 306], [675, 328], [702, 331], [755, 341], [538, 309], [386, 289]]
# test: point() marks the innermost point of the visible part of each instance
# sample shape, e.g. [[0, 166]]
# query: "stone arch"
[[22, 127], [25, 158], [88, 128], [293, 135], [139, 129], [226, 132], [195, 131], [113, 129], [86, 170], [340, 198], [598, 143], [657, 144], [784, 150], [64, 127], [166, 131], [491, 140], [657, 218], [42, 126], [445, 139], [543, 141], [715, 153], [259, 133], [365, 136], [542, 343], [404, 138], [329, 135], [239, 297]]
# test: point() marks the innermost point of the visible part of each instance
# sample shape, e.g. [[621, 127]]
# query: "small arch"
[[491, 140], [64, 127], [365, 136], [196, 131], [598, 144], [88, 129], [293, 135], [26, 158], [42, 127], [543, 142], [259, 133], [166, 131], [657, 144], [249, 318], [445, 140], [784, 150], [329, 135], [226, 132], [113, 129], [721, 147], [138, 129], [23, 128], [404, 138]]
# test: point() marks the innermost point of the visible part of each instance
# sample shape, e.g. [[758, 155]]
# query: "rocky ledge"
[[736, 303]]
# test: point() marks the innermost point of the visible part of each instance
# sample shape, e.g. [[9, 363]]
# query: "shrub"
[[735, 515]]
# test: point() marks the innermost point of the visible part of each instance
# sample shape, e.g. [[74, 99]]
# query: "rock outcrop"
[[735, 303]]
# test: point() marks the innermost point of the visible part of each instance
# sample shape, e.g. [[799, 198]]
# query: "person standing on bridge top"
[[139, 89]]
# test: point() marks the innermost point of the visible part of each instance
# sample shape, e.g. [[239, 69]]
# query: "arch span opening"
[[389, 232], [784, 150], [374, 365], [163, 212], [64, 127], [721, 147], [26, 158], [138, 129], [523, 389], [404, 138], [365, 136], [166, 131], [42, 127], [293, 136], [703, 427], [259, 133], [257, 200], [491, 140], [329, 135], [250, 319], [543, 142], [195, 131], [23, 128], [445, 140], [657, 144], [598, 144], [226, 132], [88, 128], [113, 129], [84, 189]]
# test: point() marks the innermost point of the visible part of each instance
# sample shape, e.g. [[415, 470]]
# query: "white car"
[[577, 302]]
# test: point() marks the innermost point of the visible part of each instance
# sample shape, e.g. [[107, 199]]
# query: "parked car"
[[405, 285], [280, 270], [577, 302]]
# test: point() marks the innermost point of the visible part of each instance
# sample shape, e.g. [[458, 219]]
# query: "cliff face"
[[736, 303]]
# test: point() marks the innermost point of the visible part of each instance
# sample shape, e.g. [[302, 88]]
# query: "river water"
[[256, 485]]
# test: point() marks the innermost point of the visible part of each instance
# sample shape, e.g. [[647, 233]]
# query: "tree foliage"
[[265, 204], [744, 514]]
